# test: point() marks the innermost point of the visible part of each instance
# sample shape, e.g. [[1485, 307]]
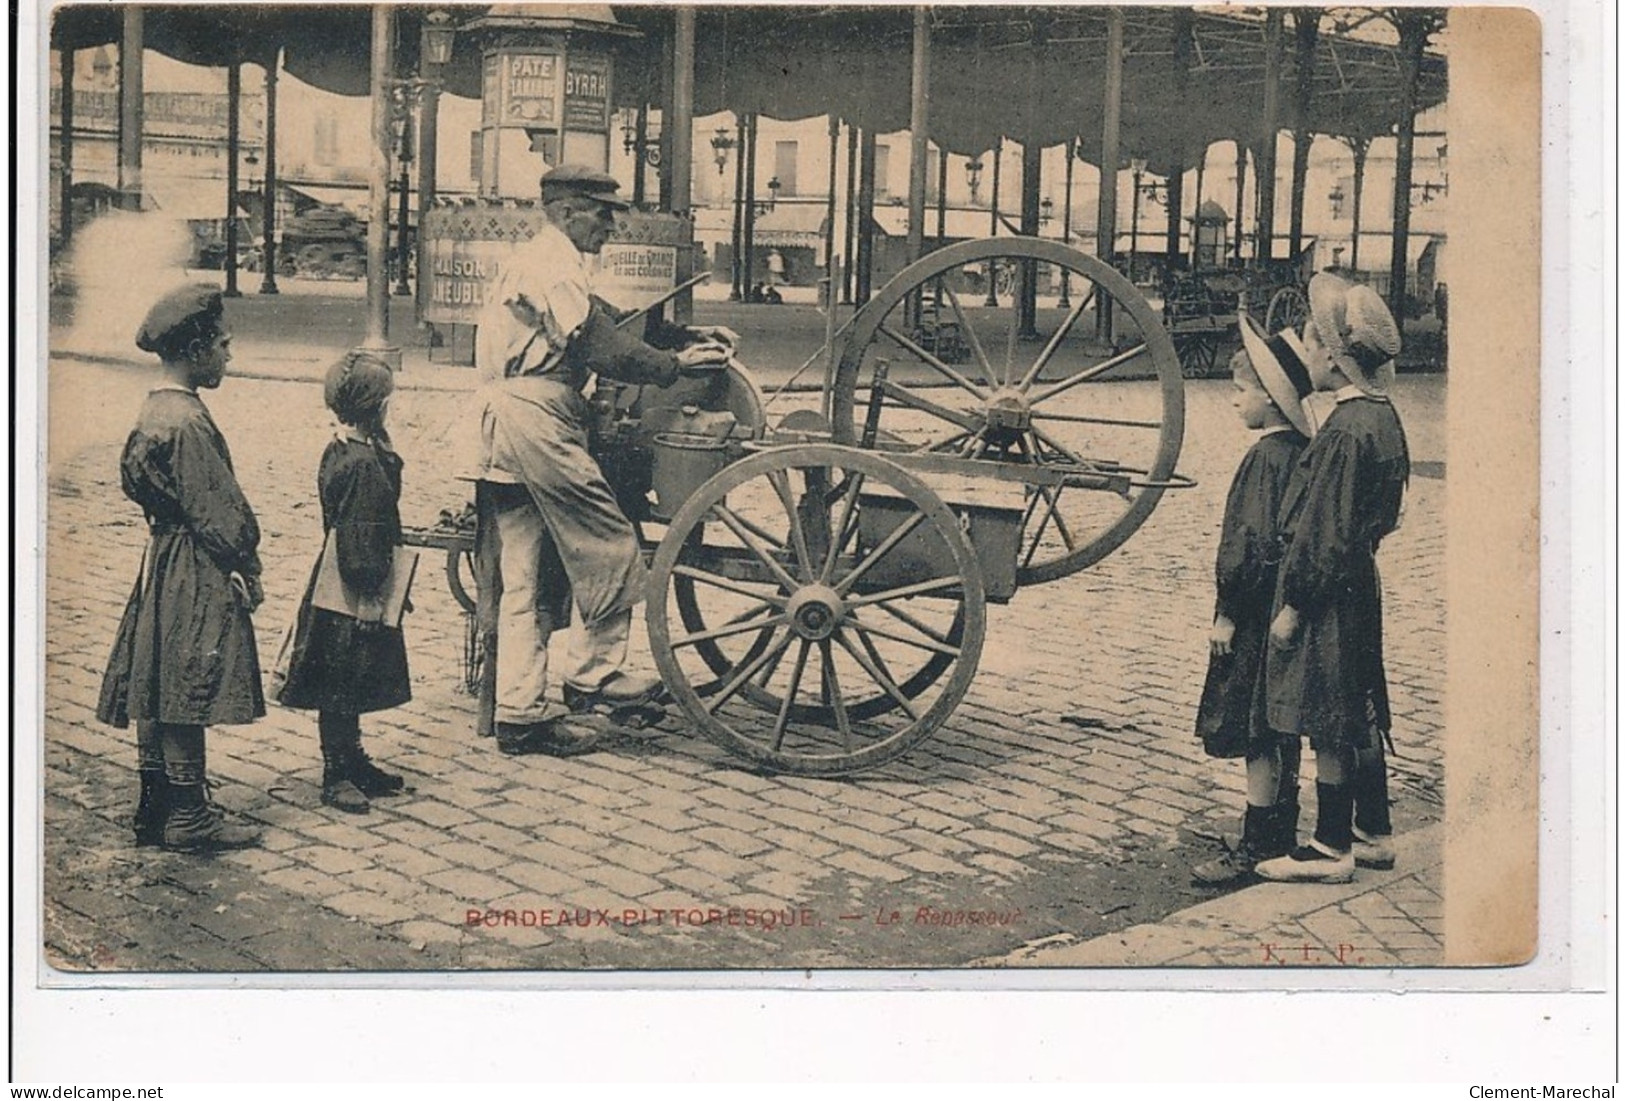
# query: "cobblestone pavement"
[[1065, 798]]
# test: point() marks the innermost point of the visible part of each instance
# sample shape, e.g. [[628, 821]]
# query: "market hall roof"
[[1023, 73]]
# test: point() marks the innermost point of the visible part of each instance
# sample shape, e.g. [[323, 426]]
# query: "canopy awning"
[[357, 200], [1376, 251], [1029, 74], [191, 199]]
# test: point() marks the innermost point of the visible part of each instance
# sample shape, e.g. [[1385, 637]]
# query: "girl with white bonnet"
[[1324, 666]]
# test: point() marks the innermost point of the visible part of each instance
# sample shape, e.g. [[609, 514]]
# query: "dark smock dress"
[[185, 648], [336, 666], [1231, 719], [1328, 683]]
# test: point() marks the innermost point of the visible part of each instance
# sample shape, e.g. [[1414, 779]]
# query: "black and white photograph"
[[567, 488]]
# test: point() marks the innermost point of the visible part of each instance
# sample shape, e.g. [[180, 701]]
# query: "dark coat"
[[1232, 717], [185, 652], [337, 665], [1328, 683]]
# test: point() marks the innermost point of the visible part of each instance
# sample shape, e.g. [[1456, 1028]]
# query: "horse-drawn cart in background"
[[1202, 308], [818, 586]]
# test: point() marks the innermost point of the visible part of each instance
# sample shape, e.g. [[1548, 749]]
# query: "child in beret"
[[184, 657], [344, 667]]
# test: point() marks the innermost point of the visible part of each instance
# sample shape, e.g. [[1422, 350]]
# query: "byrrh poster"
[[928, 569]]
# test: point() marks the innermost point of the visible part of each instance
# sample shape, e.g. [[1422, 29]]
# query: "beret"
[[578, 179], [197, 305]]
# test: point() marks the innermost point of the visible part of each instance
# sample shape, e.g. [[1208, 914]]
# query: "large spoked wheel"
[[830, 621], [1038, 383]]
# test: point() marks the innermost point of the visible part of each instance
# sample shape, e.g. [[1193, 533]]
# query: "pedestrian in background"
[[184, 658], [1270, 382], [1325, 663], [345, 666]]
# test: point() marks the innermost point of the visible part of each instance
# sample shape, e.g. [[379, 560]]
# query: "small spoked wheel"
[[1198, 353], [1049, 376], [458, 560], [830, 619], [1288, 309]]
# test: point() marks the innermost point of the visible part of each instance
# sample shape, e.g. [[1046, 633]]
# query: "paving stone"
[[330, 860], [872, 843], [931, 863], [344, 836], [740, 823], [703, 885], [658, 840], [630, 886], [306, 881], [1006, 843], [868, 867], [468, 854], [723, 865], [369, 907], [542, 879], [474, 888], [386, 883], [433, 812]]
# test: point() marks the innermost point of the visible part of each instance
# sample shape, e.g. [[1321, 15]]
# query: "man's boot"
[[153, 807], [620, 691], [195, 825], [1237, 863], [560, 736]]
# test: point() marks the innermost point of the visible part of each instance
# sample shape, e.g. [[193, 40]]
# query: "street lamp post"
[[1065, 301], [1137, 166], [403, 153], [993, 226]]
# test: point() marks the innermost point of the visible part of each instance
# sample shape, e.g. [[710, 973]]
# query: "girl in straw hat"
[[1270, 385], [1324, 665]]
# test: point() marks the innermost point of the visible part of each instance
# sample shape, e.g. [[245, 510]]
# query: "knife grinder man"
[[541, 497]]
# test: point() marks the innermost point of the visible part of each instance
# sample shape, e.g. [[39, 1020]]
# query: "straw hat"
[[1279, 362], [1359, 333]]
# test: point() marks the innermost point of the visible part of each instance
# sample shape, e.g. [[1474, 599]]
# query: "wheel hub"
[[1008, 415], [815, 612]]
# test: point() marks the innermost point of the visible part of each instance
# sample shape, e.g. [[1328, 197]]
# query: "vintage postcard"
[[856, 532]]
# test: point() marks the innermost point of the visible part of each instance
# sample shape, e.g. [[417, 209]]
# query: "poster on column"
[[944, 695]]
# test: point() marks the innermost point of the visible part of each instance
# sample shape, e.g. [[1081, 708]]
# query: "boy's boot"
[[196, 825], [153, 807], [154, 803], [338, 791], [1328, 858], [193, 823], [1282, 835], [1373, 826], [1238, 861]]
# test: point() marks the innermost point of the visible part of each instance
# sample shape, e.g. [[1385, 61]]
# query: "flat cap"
[[578, 179], [195, 306]]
